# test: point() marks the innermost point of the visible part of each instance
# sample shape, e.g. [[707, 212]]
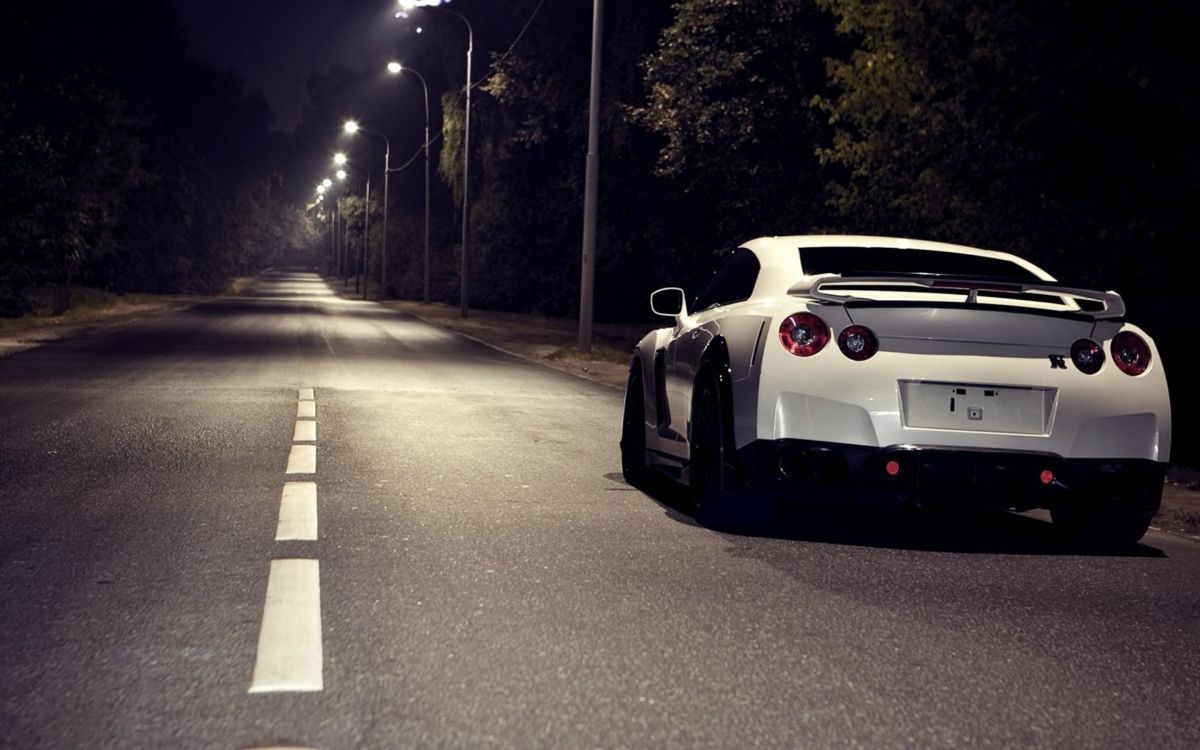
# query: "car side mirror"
[[669, 303]]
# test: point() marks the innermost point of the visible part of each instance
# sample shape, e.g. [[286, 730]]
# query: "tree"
[[929, 115], [115, 179], [730, 91]]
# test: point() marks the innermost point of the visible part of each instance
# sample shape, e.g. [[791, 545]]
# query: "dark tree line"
[[1059, 130], [129, 166]]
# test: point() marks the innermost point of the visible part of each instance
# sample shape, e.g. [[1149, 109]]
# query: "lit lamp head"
[[321, 189], [339, 159], [350, 127], [394, 67], [404, 7], [327, 183], [341, 174]]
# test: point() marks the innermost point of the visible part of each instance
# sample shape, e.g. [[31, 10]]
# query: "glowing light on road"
[[339, 159], [327, 183]]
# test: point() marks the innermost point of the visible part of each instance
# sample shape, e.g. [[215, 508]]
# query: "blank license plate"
[[978, 408]]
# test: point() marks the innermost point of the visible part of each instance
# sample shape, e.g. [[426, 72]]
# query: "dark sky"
[[276, 44]]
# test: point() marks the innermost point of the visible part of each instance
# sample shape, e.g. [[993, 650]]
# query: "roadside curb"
[[525, 357], [573, 371]]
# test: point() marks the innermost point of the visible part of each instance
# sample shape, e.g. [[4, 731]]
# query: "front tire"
[[633, 429]]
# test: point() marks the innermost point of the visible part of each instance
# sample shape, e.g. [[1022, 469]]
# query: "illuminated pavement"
[[295, 520]]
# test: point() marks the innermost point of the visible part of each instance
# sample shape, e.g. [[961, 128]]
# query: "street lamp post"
[[341, 175], [405, 7], [353, 127], [360, 270], [322, 189], [466, 217], [396, 68], [587, 278]]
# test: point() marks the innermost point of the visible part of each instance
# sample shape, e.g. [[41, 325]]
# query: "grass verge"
[[87, 304]]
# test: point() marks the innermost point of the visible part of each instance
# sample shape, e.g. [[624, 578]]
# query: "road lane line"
[[305, 432], [306, 394], [306, 409], [297, 512], [289, 657], [302, 460]]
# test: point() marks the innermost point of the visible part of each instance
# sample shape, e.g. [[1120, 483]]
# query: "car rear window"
[[888, 260]]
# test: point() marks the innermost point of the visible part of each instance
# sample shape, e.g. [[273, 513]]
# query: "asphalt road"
[[482, 577]]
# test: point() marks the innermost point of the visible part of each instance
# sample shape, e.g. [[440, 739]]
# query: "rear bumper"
[[954, 477]]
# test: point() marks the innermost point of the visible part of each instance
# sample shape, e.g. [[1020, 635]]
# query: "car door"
[[732, 282]]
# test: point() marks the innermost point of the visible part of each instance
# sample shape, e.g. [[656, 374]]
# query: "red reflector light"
[[803, 334], [892, 468], [1130, 353], [1047, 477]]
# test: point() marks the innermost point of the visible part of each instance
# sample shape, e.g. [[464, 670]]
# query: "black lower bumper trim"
[[934, 475]]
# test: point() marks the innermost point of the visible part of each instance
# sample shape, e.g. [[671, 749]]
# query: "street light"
[[591, 186], [405, 7], [352, 127], [335, 212], [396, 68], [322, 187], [341, 160]]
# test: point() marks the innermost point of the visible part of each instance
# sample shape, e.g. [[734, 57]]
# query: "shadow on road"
[[965, 532]]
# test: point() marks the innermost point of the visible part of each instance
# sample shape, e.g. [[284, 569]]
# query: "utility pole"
[[587, 276]]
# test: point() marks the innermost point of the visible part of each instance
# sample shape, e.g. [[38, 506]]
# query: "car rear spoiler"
[[1110, 304]]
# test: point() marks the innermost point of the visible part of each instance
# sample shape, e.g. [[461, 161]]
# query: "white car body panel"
[[997, 342]]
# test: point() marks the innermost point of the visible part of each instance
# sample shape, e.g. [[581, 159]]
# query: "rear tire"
[[1111, 523], [719, 500], [633, 430]]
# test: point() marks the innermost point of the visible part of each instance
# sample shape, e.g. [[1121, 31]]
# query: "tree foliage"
[[115, 178], [930, 118], [730, 85]]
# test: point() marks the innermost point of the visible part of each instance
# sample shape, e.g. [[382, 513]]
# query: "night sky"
[[276, 44]]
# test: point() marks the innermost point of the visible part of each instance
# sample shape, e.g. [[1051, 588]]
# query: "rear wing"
[[1095, 304]]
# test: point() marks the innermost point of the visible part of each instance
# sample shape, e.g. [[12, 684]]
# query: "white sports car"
[[905, 371]]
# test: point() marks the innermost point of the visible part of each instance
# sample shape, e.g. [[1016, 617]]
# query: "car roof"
[[780, 261]]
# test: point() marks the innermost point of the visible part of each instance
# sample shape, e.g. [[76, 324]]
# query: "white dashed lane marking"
[[297, 512], [289, 643], [305, 432], [302, 460], [290, 656]]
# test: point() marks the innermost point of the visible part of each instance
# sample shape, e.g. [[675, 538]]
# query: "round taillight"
[[1088, 356], [858, 342], [1130, 352], [803, 334]]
